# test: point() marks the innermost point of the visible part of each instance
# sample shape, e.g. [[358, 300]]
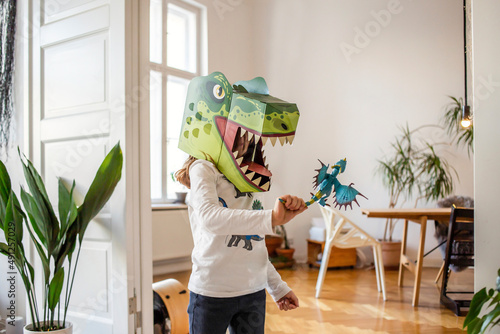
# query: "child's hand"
[[288, 302], [284, 212]]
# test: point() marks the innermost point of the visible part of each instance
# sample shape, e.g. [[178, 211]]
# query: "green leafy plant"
[[451, 120], [282, 231], [414, 168], [55, 237], [476, 324]]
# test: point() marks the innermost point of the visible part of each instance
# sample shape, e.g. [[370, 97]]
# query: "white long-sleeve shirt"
[[229, 256]]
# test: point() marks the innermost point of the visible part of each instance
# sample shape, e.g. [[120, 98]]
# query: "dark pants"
[[242, 314]]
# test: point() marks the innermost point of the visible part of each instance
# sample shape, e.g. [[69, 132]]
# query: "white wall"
[[352, 106], [487, 140], [230, 38]]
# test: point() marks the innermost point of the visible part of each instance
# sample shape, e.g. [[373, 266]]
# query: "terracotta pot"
[[391, 253], [273, 242], [28, 329], [288, 253]]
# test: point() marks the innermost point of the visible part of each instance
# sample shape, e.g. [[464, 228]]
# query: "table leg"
[[403, 252], [441, 270], [420, 260]]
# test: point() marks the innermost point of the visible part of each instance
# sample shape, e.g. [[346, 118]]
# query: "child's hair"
[[182, 175]]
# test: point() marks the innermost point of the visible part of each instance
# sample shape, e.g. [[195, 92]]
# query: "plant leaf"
[[67, 206], [5, 189], [38, 220], [103, 185], [25, 278], [31, 271], [55, 289], [67, 246], [19, 217], [39, 194], [476, 304], [13, 220], [489, 317], [451, 120], [4, 249], [41, 252], [474, 326]]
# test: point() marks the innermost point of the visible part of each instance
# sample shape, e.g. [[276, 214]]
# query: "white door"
[[82, 67]]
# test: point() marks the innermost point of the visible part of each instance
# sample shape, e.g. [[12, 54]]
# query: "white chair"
[[343, 233]]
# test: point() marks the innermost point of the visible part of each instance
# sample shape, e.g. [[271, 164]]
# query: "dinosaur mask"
[[230, 126]]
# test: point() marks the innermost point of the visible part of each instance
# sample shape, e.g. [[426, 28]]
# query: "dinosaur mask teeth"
[[247, 148], [249, 157], [274, 139]]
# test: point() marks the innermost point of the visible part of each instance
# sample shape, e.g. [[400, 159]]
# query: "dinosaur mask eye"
[[218, 92], [215, 91]]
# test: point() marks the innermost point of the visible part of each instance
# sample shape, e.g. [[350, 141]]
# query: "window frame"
[[166, 71]]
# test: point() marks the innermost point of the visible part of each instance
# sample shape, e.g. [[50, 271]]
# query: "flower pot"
[[28, 329], [273, 242], [288, 253], [181, 197], [391, 254]]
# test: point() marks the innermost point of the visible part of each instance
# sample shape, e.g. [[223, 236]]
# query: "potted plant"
[[476, 324], [452, 121], [55, 236], [414, 168], [181, 192], [272, 241], [285, 251]]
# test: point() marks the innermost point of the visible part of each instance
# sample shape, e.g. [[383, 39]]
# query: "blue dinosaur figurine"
[[325, 183]]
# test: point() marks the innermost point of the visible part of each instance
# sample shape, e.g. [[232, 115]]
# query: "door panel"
[[78, 160], [78, 83], [85, 89], [95, 258], [55, 9]]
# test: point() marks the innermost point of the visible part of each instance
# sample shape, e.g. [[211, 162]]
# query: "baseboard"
[[172, 265]]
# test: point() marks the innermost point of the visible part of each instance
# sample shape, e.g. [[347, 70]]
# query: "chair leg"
[[323, 268], [439, 273], [375, 263], [381, 272]]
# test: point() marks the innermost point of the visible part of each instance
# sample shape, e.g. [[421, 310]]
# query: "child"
[[230, 264]]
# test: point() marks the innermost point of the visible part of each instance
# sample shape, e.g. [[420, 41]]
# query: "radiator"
[[172, 237]]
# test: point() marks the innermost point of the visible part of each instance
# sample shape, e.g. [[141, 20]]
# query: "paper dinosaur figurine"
[[324, 183]]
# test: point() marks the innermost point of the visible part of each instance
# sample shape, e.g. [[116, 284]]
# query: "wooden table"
[[419, 216]]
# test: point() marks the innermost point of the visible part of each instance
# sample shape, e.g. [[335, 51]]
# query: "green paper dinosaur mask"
[[230, 126]]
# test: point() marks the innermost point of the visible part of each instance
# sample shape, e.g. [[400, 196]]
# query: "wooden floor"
[[350, 303]]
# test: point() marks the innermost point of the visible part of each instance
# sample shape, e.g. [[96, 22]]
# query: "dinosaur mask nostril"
[[283, 125]]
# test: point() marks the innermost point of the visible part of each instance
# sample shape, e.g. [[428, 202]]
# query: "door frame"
[[138, 53]]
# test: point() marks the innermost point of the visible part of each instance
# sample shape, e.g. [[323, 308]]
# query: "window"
[[175, 57]]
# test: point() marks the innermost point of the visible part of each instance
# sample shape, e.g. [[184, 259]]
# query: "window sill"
[[168, 206]]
